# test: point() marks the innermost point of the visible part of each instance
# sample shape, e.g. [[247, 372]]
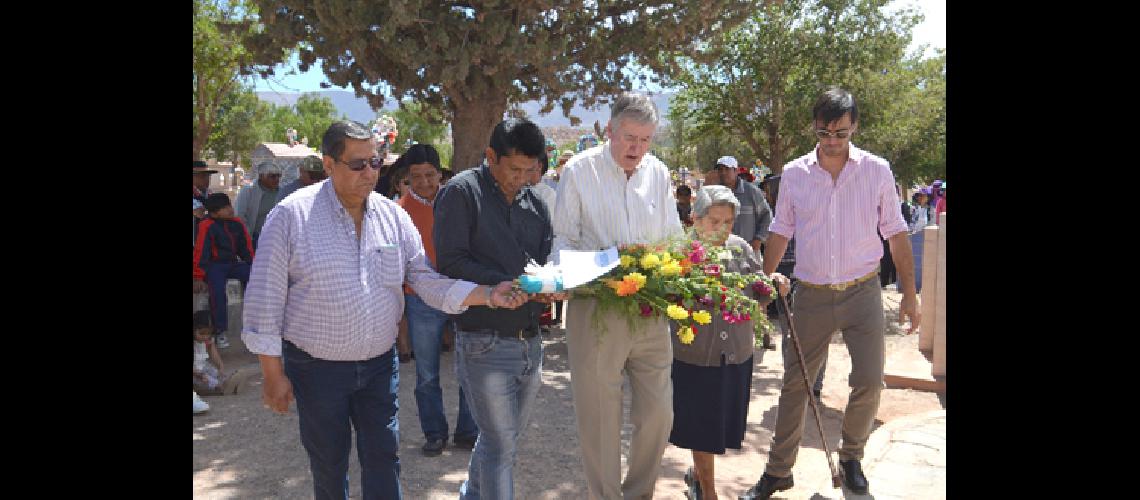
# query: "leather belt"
[[839, 287]]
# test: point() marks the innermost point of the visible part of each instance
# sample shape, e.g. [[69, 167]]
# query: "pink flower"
[[727, 316], [646, 310], [713, 270], [698, 253], [746, 317], [761, 288]]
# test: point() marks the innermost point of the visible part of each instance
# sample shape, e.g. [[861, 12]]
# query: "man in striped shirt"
[[618, 194], [835, 200], [324, 297]]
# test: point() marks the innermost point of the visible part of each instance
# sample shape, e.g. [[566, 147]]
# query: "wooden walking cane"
[[836, 474]]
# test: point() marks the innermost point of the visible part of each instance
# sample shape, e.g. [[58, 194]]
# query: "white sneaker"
[[199, 405], [222, 342]]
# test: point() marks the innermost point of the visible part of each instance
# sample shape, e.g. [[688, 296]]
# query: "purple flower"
[[705, 300]]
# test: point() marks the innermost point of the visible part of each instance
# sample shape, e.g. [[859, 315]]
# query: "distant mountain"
[[357, 108]]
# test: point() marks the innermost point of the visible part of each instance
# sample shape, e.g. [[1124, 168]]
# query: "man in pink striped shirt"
[[835, 200]]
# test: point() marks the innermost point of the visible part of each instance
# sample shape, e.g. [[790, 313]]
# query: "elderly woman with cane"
[[712, 376]]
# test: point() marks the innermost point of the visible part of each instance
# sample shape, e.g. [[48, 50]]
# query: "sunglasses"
[[842, 134], [357, 165]]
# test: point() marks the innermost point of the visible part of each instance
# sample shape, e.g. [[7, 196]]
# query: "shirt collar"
[[372, 204], [421, 199], [854, 154]]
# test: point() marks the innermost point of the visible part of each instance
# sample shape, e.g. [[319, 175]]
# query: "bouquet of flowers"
[[679, 280]]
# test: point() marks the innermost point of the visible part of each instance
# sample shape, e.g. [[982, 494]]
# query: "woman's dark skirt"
[[710, 405]]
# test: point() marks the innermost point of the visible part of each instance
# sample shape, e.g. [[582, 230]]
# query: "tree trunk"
[[471, 126]]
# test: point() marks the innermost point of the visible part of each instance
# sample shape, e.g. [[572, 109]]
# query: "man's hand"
[[277, 392], [200, 286], [506, 296], [908, 307], [782, 283]]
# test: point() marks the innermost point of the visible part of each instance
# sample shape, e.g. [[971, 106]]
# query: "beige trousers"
[[596, 368], [857, 313]]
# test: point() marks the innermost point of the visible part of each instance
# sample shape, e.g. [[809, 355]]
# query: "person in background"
[[223, 252], [940, 206], [755, 215], [684, 206], [920, 215], [309, 172], [256, 200], [425, 323]]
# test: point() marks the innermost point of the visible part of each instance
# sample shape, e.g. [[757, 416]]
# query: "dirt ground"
[[242, 450]]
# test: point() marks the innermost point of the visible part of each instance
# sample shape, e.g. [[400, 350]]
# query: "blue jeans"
[[333, 397], [501, 376], [217, 273], [425, 327]]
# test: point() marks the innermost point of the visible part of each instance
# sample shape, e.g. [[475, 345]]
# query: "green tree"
[[421, 124], [236, 129], [310, 116], [471, 59], [221, 60], [759, 81]]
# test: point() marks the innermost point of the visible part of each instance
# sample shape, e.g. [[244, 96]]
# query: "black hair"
[[217, 201], [332, 144], [399, 173], [773, 187], [684, 189], [833, 104], [420, 153], [201, 320], [544, 161], [518, 136]]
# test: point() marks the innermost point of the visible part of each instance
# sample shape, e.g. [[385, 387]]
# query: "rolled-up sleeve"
[[436, 290], [263, 309]]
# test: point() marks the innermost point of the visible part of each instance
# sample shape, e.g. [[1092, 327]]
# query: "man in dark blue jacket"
[[223, 251]]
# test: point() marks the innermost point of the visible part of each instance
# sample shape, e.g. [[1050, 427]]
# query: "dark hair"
[[518, 136], [544, 161], [217, 201], [684, 189], [332, 144], [399, 173], [420, 153], [774, 187], [833, 104], [201, 320]]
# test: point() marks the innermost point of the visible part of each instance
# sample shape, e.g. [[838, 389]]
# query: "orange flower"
[[623, 288], [685, 265]]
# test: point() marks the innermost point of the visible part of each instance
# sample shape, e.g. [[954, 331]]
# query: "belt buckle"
[[839, 287]]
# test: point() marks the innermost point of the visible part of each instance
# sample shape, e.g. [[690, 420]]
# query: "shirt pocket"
[[387, 265]]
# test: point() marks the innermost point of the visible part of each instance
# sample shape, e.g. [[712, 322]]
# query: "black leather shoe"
[[853, 477], [766, 486], [434, 447], [465, 442]]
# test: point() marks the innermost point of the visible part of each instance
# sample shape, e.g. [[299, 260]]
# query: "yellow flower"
[[666, 257], [636, 278], [676, 312], [685, 335], [627, 261], [702, 317], [650, 261], [672, 268]]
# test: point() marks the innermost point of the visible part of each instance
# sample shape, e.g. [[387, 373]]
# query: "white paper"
[[579, 268]]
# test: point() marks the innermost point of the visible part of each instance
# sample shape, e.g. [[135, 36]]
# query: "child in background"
[[209, 372], [223, 251]]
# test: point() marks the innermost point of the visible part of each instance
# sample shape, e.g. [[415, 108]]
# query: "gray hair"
[[709, 196], [634, 106]]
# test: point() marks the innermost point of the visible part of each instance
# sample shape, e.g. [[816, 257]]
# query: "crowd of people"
[[332, 267]]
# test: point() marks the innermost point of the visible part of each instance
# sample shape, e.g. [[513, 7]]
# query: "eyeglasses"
[[842, 134], [357, 165]]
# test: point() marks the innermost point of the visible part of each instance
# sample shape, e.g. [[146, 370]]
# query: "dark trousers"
[[216, 276], [887, 273], [334, 397]]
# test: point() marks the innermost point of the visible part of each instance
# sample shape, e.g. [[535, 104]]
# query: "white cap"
[[727, 161]]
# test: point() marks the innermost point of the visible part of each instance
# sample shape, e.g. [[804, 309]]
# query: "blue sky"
[[932, 31]]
